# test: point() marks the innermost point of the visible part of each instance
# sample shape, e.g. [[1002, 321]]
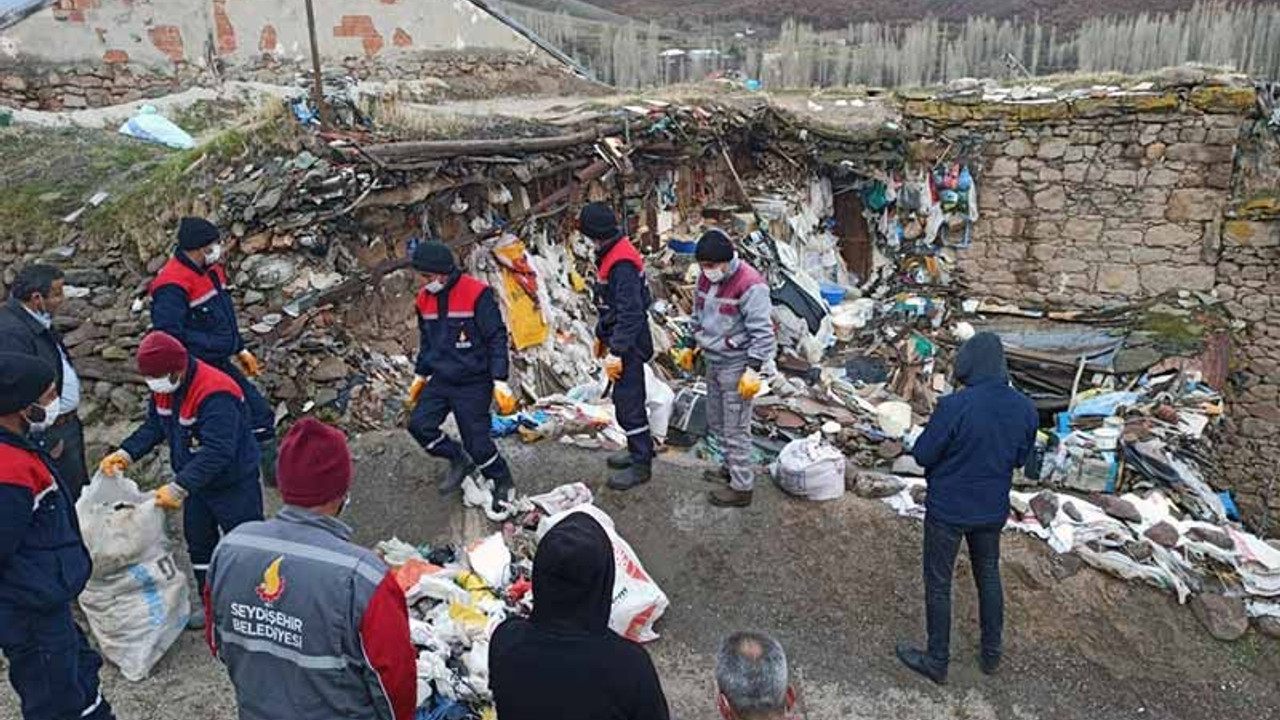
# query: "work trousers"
[[470, 407], [262, 417], [52, 668], [729, 419], [207, 515], [632, 409], [941, 545], [65, 445]]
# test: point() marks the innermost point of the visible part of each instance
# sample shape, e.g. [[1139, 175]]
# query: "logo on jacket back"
[[272, 585]]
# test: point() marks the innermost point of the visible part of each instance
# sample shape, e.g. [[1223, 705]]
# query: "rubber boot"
[[619, 460], [727, 497], [267, 461], [919, 662], [504, 496], [719, 476], [990, 664], [459, 468], [633, 476]]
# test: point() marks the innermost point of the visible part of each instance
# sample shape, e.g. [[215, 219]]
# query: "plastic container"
[[1106, 438], [832, 293], [682, 247]]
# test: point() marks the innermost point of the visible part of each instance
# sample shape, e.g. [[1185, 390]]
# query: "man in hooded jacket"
[[538, 667], [969, 449]]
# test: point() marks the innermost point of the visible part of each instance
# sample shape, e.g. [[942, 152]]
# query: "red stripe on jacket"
[[388, 649], [463, 297], [622, 251], [24, 469], [198, 286], [205, 382]]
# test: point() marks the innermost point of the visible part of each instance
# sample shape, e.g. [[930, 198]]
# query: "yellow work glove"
[[415, 390], [600, 349], [749, 384], [115, 463], [685, 358], [613, 367], [504, 398], [249, 363], [170, 497]]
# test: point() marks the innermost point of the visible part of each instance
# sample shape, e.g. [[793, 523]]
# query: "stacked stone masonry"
[[1101, 201]]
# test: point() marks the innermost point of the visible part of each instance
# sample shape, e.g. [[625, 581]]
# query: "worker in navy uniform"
[[199, 412], [189, 300], [622, 338], [43, 561], [462, 367]]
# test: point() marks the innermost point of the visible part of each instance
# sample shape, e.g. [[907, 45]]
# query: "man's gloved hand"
[[750, 384], [613, 367], [170, 497], [249, 363], [115, 463], [504, 398], [415, 390], [600, 349], [686, 358]]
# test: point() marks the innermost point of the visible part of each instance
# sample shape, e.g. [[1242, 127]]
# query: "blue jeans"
[[941, 545]]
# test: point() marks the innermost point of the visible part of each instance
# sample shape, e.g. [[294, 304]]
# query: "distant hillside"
[[832, 14]]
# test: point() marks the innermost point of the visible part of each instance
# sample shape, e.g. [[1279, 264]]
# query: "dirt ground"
[[837, 583]]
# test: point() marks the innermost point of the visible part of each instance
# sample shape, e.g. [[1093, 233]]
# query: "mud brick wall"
[[1100, 201]]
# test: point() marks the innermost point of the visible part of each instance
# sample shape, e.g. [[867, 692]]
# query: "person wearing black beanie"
[[623, 340], [733, 328], [43, 561], [189, 300], [461, 369]]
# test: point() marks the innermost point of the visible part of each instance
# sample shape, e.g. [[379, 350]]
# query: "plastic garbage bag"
[[136, 602], [638, 602], [810, 468], [660, 401], [151, 126], [489, 558]]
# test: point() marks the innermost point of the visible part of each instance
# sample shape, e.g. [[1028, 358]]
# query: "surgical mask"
[[162, 385], [213, 254], [434, 287], [714, 276], [49, 413]]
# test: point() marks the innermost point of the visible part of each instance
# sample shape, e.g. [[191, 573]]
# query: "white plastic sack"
[[638, 602], [810, 468], [136, 601], [153, 127], [490, 558], [660, 401]]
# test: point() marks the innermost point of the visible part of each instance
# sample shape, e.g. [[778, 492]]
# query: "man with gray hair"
[[752, 680]]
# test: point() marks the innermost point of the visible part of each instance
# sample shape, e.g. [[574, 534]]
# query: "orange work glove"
[[415, 390], [170, 497], [249, 363], [601, 349], [115, 463], [613, 367], [504, 398], [750, 384]]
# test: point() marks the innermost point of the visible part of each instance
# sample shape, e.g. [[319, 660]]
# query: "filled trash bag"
[[136, 601], [151, 126], [810, 468]]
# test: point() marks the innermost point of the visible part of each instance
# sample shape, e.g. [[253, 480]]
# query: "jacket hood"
[[981, 358], [573, 575]]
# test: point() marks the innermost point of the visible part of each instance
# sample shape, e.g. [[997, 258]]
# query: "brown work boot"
[[728, 497], [719, 476]]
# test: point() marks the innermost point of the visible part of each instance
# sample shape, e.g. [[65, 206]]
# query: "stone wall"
[[1098, 201]]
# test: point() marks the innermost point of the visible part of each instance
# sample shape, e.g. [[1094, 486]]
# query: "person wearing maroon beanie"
[[199, 412], [324, 594]]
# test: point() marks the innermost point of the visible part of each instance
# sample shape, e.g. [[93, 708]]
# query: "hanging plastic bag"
[[137, 601], [810, 468], [660, 401], [638, 602]]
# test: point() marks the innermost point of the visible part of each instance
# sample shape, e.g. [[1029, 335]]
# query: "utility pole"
[[317, 87]]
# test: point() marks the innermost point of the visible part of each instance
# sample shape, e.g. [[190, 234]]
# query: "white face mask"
[[714, 276], [162, 385], [50, 415], [434, 287], [213, 254]]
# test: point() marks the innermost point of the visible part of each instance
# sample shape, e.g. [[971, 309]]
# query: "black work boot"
[[633, 476], [727, 497], [196, 620], [459, 468], [719, 476], [619, 460], [990, 664], [504, 496], [918, 661], [267, 461]]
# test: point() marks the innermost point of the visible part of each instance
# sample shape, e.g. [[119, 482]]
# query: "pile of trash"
[[458, 597]]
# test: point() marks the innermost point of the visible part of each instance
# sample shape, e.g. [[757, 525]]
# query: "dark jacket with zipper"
[[622, 301], [191, 303], [21, 333], [463, 339]]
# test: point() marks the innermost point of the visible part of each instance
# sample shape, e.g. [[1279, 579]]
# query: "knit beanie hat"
[[161, 354], [598, 222], [714, 246], [315, 464], [195, 233], [434, 257], [23, 379]]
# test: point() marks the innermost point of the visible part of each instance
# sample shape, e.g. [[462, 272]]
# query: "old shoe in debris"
[[631, 477], [459, 468], [728, 497], [619, 460], [719, 476], [918, 661]]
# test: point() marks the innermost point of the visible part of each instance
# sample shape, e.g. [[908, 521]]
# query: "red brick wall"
[[361, 26]]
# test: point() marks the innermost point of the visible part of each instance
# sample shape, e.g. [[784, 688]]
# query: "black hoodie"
[[565, 663]]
